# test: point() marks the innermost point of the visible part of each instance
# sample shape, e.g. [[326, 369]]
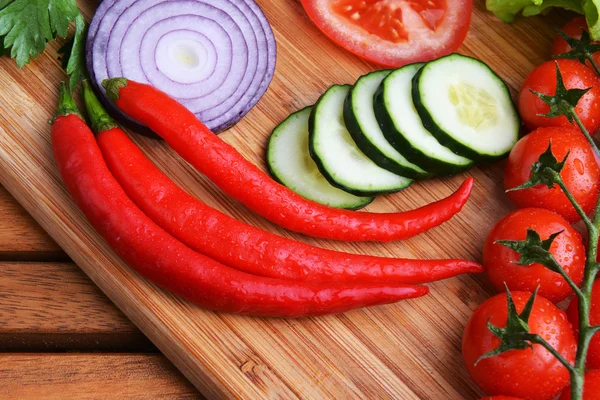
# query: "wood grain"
[[21, 238], [91, 376], [407, 350], [55, 307]]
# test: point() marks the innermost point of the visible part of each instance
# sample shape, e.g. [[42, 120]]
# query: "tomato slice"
[[393, 33]]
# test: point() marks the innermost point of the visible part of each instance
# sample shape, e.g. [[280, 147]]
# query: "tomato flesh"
[[384, 18], [393, 33]]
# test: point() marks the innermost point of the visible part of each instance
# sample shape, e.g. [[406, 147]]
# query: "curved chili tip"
[[464, 191], [417, 291], [469, 267]]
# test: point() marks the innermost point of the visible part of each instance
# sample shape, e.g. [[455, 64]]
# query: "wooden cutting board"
[[406, 350]]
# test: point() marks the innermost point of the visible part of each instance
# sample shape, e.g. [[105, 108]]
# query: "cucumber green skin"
[[444, 138], [370, 150], [314, 155], [276, 177], [399, 142]]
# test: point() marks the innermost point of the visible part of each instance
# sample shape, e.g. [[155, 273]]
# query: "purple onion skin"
[[237, 104]]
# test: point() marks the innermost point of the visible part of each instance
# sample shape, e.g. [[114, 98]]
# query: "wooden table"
[[60, 337]]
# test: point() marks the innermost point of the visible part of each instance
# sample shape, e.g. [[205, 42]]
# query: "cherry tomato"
[[568, 250], [393, 32], [532, 374], [591, 387], [543, 80], [593, 358], [581, 173], [573, 29]]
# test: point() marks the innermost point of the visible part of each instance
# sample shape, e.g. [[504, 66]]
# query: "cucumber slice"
[[467, 107], [291, 165], [364, 128], [336, 154], [404, 130]]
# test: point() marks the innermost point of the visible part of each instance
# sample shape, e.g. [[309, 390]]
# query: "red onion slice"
[[217, 57]]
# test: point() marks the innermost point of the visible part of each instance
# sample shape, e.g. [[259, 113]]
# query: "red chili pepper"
[[235, 243], [167, 262], [243, 181]]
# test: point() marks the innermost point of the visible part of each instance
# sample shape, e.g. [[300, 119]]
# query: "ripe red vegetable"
[[593, 356], [567, 249], [543, 80], [245, 182], [532, 374], [235, 243], [394, 32], [573, 29], [591, 387], [580, 173], [167, 262], [245, 247]]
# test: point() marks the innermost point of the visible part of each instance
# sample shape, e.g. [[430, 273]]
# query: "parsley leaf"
[[73, 54], [28, 25]]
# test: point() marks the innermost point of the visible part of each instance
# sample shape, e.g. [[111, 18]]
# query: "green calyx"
[[516, 335], [534, 250], [113, 86], [581, 49], [66, 103], [544, 171], [564, 101], [99, 118]]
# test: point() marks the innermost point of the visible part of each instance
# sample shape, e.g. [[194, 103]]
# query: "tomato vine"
[[546, 171]]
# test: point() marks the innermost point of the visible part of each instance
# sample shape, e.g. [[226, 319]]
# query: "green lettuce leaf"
[[590, 9], [507, 10]]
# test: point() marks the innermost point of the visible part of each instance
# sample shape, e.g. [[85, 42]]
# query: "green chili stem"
[[99, 118], [66, 103]]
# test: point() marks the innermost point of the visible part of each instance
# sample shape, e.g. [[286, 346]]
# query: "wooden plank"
[[21, 238], [91, 376], [406, 350], [55, 307]]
